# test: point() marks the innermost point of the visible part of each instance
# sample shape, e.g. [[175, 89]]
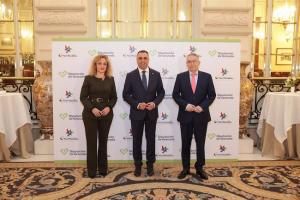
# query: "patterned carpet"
[[238, 180]]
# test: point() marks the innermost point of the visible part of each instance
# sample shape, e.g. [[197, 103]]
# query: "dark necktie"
[[144, 79]]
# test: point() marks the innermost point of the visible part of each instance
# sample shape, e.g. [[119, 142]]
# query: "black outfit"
[[192, 122], [136, 92], [97, 93]]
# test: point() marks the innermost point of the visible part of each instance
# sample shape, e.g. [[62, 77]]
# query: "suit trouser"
[[92, 127], [198, 128], [137, 127]]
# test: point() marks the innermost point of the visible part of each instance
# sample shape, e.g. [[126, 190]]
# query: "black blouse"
[[98, 93]]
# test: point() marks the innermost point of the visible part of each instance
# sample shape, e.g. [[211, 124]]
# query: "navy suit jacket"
[[135, 93], [204, 96]]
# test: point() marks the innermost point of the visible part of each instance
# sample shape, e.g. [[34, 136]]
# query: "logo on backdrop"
[[223, 74], [223, 119], [130, 52], [70, 152], [111, 138], [168, 96], [153, 52], [64, 151], [125, 151], [164, 117], [66, 116], [222, 151], [191, 49], [162, 54], [68, 98], [222, 148], [67, 49], [129, 136], [94, 52], [69, 132], [66, 74], [67, 52], [220, 54], [165, 74], [123, 115], [214, 136], [68, 135], [132, 49], [123, 74], [165, 138], [225, 96], [164, 149]]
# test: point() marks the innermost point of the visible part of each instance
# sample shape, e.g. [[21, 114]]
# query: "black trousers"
[[198, 128], [137, 127], [96, 131]]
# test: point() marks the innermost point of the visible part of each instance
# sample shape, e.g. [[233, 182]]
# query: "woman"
[[98, 96]]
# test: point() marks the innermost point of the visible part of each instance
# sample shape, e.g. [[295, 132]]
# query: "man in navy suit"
[[194, 92], [143, 91]]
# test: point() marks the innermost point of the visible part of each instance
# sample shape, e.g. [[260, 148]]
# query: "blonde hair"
[[93, 67]]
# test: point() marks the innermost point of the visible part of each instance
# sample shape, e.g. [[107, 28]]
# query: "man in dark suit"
[[194, 92], [143, 91]]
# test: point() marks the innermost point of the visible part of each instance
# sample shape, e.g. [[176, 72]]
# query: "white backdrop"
[[71, 60]]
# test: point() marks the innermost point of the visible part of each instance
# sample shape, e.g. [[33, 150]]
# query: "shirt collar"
[[141, 70], [196, 73]]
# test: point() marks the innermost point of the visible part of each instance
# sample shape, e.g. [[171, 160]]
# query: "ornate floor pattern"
[[239, 180]]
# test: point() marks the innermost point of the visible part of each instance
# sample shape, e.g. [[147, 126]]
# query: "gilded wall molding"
[[226, 18], [60, 17], [50, 29], [60, 5]]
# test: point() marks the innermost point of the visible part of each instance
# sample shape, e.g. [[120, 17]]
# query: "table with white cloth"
[[15, 126], [279, 125]]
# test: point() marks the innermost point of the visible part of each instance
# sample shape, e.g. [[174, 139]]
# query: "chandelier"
[[284, 15]]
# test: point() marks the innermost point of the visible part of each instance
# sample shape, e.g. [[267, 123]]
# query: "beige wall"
[[62, 18], [77, 18], [228, 19]]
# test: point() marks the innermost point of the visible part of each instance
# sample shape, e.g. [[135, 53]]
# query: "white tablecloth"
[[13, 115], [281, 110]]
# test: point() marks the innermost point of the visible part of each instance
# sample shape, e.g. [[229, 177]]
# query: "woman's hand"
[[105, 111], [96, 112]]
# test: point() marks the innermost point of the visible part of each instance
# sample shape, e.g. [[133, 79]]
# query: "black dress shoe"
[[137, 172], [150, 171], [183, 174], [202, 174], [91, 175], [103, 173]]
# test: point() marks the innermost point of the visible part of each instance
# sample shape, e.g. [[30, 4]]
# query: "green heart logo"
[[63, 74], [92, 52], [153, 52], [64, 151], [63, 115], [123, 115], [211, 135], [212, 53], [123, 151], [123, 74]]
